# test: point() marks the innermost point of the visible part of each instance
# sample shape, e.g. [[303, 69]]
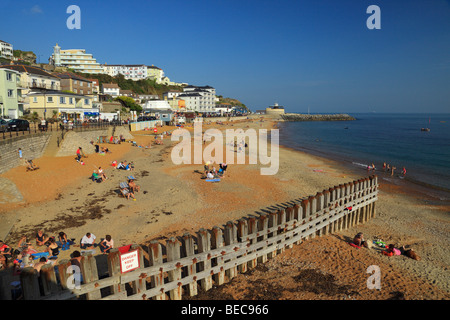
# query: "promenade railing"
[[188, 262]]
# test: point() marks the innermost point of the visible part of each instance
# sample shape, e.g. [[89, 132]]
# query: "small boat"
[[425, 129]]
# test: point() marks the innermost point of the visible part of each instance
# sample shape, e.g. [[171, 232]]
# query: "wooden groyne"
[[184, 264], [316, 117]]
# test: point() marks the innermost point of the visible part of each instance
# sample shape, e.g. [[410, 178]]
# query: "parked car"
[[3, 125], [19, 125]]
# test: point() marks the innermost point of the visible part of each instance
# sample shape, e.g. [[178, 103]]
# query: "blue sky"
[[316, 54]]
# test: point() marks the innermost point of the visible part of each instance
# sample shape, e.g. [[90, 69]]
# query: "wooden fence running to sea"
[[210, 257]]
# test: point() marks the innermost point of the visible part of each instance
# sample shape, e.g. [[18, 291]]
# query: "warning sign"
[[129, 261]]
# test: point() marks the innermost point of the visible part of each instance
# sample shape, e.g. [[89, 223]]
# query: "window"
[[9, 76], [49, 99], [86, 101], [74, 81], [71, 100], [62, 100], [35, 99], [10, 93]]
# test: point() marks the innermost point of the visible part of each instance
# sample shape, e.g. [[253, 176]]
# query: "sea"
[[395, 139]]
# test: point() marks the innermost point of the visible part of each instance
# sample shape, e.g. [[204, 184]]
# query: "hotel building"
[[76, 59]]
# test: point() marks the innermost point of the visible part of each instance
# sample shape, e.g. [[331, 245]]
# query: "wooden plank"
[[217, 243], [188, 251], [30, 284], [230, 237], [204, 245], [242, 232], [48, 280], [156, 261], [173, 254]]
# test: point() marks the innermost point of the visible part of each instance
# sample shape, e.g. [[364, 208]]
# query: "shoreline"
[[425, 191]]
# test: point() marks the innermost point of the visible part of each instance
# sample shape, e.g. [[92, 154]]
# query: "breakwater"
[[316, 117]]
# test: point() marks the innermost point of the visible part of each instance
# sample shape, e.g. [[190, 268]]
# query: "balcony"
[[45, 86]]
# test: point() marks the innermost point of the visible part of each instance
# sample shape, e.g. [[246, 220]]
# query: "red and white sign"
[[129, 261]]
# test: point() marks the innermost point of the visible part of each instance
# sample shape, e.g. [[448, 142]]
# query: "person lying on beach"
[[159, 142], [392, 251], [31, 166], [359, 240]]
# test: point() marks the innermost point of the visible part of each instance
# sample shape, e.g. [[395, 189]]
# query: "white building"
[[131, 71], [200, 99], [156, 104], [171, 94], [6, 50], [76, 59], [111, 89]]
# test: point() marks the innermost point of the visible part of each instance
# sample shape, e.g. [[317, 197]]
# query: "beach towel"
[[39, 255], [354, 245], [212, 180]]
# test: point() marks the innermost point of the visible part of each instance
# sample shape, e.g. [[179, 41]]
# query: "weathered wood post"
[[113, 262], [230, 236], [139, 285], [216, 243], [90, 274], [5, 284], [313, 207], [188, 250], [30, 284], [326, 206], [375, 184], [48, 279], [64, 276], [242, 231], [340, 221], [252, 232], [298, 215], [204, 245], [272, 222], [321, 214], [173, 254], [281, 222], [360, 195], [263, 223], [306, 211], [156, 259]]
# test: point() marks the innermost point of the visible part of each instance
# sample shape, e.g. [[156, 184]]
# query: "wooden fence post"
[[242, 231], [173, 254], [156, 259], [204, 245], [281, 221], [114, 269], [313, 214], [263, 223], [188, 250], [272, 220], [140, 284], [252, 231], [90, 274], [230, 235], [48, 279], [216, 243], [326, 207], [305, 214], [30, 284], [5, 284]]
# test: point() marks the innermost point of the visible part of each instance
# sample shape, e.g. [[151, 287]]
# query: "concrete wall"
[[73, 140], [33, 147]]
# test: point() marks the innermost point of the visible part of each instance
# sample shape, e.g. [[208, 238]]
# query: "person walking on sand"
[[404, 171], [392, 170], [79, 154]]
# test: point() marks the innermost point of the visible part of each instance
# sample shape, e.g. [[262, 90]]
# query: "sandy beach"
[[173, 200]]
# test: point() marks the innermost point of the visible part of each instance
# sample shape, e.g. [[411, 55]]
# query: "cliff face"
[[316, 117]]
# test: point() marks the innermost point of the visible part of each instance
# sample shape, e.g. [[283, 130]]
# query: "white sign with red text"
[[129, 261]]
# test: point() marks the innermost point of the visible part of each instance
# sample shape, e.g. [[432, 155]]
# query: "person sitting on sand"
[[133, 186], [63, 242], [209, 175], [88, 241], [101, 173], [41, 238], [120, 165], [53, 248], [106, 244]]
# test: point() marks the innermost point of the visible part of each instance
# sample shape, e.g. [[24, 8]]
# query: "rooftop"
[[29, 69]]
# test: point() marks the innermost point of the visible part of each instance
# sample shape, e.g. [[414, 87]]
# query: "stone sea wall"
[[316, 117]]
